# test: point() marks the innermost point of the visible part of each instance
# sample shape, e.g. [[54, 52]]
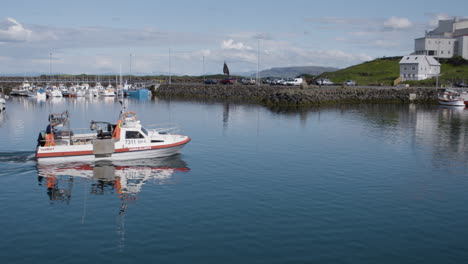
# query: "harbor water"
[[362, 183]]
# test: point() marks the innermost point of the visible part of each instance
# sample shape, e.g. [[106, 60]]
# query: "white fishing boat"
[[54, 91], [92, 92], [64, 90], [76, 91], [2, 104], [108, 91], [22, 90], [126, 139], [41, 93], [85, 86], [451, 98]]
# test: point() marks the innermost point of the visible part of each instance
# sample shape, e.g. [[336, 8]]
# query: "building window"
[[442, 52], [413, 68], [414, 75], [450, 42], [449, 52], [404, 68], [428, 42]]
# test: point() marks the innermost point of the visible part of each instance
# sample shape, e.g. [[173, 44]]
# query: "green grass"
[[377, 72], [384, 71]]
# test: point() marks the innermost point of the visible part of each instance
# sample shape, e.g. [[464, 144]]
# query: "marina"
[[27, 89], [201, 132]]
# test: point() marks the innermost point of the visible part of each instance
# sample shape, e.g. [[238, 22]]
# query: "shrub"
[[457, 61]]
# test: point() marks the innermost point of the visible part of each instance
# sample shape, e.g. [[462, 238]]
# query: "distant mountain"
[[291, 72]]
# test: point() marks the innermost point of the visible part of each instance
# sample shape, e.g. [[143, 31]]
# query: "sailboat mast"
[[258, 62], [50, 66], [130, 66], [170, 74]]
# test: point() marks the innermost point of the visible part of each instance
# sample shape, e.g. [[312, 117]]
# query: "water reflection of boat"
[[123, 177], [123, 180]]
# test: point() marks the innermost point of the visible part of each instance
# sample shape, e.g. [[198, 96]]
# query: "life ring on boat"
[[126, 114]]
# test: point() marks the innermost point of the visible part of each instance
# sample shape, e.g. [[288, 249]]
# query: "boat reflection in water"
[[123, 179]]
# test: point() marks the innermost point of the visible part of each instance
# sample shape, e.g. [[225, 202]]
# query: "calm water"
[[344, 184]]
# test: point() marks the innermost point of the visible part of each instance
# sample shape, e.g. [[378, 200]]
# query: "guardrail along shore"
[[278, 95]]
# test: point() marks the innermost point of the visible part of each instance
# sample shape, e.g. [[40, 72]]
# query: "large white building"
[[418, 67], [449, 39]]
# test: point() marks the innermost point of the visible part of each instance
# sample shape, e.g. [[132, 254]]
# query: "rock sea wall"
[[277, 95]]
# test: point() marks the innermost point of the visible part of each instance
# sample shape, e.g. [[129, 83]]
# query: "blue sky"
[[99, 36]]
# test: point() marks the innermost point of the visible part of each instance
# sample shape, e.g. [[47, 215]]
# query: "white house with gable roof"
[[418, 67]]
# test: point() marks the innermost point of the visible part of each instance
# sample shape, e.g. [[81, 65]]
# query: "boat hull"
[[452, 102], [119, 154]]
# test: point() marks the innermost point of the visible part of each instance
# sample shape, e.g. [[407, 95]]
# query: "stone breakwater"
[[277, 95]]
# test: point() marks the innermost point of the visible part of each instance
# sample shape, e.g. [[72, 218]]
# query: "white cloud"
[[231, 45], [100, 49], [397, 23], [434, 22], [12, 31]]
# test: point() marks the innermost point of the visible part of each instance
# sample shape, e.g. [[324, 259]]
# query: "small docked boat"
[[76, 91], [22, 90], [41, 94], [125, 139], [54, 91], [451, 98], [108, 91], [2, 104]]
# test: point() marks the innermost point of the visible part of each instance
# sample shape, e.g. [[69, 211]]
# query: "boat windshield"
[[144, 131]]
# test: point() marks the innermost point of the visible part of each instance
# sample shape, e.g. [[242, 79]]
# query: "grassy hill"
[[376, 72], [384, 71]]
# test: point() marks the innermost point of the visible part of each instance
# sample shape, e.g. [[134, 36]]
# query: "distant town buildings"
[[418, 67], [449, 39]]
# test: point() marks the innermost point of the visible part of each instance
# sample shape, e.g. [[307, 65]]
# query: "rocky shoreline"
[[280, 95]]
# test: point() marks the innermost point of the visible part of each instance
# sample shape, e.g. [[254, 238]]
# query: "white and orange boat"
[[452, 98], [127, 139]]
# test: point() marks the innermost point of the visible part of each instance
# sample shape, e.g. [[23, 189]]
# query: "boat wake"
[[17, 157]]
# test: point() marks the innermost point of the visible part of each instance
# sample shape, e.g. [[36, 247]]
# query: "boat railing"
[[65, 137], [167, 128]]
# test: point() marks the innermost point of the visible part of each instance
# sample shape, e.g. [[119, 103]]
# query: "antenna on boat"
[[123, 108]]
